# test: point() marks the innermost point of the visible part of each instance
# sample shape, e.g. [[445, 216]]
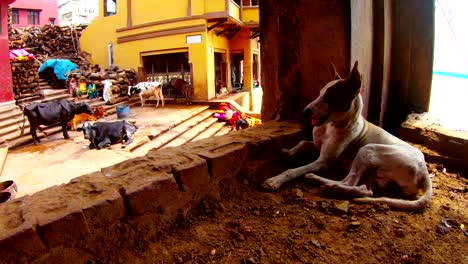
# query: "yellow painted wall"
[[103, 30], [234, 10], [145, 11], [250, 14], [197, 56], [212, 6], [241, 41], [198, 7], [215, 44]]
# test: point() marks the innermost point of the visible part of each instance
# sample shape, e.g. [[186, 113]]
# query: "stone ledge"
[[441, 144], [126, 203]]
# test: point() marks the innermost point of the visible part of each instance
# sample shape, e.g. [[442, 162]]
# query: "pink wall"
[[48, 9], [6, 84]]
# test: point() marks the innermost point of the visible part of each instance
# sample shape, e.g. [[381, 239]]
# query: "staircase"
[[197, 125]]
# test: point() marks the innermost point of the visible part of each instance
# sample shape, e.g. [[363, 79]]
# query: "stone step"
[[210, 131], [8, 132], [10, 113], [175, 132], [223, 131], [165, 135], [42, 99], [21, 140], [194, 131], [47, 87], [10, 122]]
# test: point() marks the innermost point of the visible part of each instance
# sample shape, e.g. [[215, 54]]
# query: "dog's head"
[[336, 96]]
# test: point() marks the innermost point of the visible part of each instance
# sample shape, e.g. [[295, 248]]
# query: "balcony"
[[250, 15]]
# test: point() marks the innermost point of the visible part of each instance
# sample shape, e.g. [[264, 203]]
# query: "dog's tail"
[[420, 203]]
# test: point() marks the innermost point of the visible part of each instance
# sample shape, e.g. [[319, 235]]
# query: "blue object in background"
[[122, 111], [61, 67]]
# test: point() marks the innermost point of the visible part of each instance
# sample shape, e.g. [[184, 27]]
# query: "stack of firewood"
[[25, 81], [120, 78], [44, 42], [50, 40]]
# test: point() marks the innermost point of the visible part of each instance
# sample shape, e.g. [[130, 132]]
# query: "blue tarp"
[[61, 67]]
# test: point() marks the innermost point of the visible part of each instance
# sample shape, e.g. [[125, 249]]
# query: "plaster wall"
[[299, 41]]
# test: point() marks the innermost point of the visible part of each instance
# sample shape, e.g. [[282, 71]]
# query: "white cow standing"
[[147, 89]]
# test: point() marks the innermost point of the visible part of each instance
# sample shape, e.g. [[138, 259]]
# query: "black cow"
[[52, 113], [103, 134]]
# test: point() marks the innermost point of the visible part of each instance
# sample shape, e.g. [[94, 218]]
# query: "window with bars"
[[14, 16], [110, 7], [33, 17]]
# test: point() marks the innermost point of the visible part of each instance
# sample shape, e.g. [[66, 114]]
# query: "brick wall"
[[127, 203]]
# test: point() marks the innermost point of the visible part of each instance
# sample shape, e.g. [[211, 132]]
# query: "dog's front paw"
[[271, 184]]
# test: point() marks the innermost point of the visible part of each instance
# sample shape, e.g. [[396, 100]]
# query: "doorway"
[[450, 70], [237, 69], [163, 67], [220, 72]]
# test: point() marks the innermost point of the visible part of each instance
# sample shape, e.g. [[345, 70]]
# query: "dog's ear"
[[333, 72], [354, 78]]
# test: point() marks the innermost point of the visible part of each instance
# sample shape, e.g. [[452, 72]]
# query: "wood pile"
[[56, 42], [120, 78], [25, 81], [45, 42]]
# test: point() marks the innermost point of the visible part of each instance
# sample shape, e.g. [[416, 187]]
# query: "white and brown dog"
[[379, 163], [147, 89]]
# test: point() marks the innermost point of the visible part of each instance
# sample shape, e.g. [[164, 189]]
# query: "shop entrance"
[[163, 67]]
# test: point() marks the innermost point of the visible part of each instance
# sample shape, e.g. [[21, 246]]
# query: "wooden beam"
[[222, 21], [234, 33], [129, 13], [161, 33], [255, 34], [189, 8], [226, 30]]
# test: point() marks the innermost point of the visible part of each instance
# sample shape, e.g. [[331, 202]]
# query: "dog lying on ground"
[[379, 163], [147, 89]]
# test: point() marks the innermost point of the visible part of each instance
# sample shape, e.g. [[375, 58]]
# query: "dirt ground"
[[299, 224]]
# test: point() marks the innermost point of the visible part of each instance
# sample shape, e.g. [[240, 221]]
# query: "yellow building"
[[210, 43]]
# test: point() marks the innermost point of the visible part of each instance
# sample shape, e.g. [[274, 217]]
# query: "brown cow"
[[182, 87]]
